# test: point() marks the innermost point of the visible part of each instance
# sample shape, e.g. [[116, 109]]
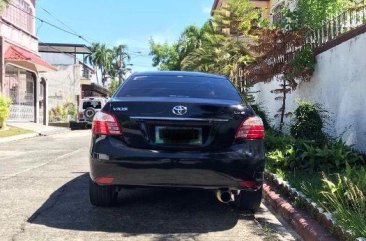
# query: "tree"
[[3, 4], [211, 48], [119, 62], [278, 57], [170, 56], [93, 58], [113, 86], [101, 57], [165, 56], [311, 14]]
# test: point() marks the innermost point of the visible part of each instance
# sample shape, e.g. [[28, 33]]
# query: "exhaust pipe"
[[224, 196]]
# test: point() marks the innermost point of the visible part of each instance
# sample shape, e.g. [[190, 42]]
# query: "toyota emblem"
[[180, 110]]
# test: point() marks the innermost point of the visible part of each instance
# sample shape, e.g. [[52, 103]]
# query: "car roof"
[[178, 73]]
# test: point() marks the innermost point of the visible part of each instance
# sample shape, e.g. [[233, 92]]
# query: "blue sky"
[[132, 22]]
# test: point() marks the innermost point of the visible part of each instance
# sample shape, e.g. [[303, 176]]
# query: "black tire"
[[89, 113], [248, 200], [102, 196]]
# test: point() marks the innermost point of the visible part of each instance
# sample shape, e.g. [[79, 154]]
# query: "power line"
[[58, 20], [51, 24]]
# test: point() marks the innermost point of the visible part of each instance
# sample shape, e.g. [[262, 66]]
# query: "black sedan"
[[178, 130]]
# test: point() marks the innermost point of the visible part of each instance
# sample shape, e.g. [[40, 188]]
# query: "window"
[[21, 15], [92, 104], [179, 86]]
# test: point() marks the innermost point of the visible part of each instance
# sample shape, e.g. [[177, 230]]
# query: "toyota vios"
[[178, 130]]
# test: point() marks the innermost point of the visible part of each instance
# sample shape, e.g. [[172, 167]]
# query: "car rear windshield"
[[179, 86], [93, 103]]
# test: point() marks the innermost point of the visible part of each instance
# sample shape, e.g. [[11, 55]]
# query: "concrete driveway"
[[44, 196]]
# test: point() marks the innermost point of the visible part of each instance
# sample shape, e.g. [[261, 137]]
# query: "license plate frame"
[[160, 140]]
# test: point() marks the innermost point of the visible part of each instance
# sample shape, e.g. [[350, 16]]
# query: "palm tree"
[[119, 62], [93, 58], [101, 58]]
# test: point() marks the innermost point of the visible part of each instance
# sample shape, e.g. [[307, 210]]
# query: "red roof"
[[20, 54]]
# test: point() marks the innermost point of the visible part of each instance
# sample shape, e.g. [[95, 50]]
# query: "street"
[[44, 196]]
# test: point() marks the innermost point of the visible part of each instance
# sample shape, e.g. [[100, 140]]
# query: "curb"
[[301, 222], [18, 137], [32, 135]]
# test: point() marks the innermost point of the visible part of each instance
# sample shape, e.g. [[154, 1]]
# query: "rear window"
[[179, 86], [93, 103]]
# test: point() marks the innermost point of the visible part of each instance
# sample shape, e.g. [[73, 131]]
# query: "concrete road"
[[44, 196]]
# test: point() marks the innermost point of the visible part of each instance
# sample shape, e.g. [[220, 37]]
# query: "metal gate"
[[19, 86]]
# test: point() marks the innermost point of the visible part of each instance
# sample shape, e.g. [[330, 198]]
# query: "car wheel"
[[102, 196], [248, 200], [89, 113]]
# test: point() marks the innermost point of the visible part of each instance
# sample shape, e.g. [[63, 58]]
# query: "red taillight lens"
[[251, 128], [104, 180], [105, 124]]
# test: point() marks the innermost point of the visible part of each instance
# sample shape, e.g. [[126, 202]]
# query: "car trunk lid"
[[178, 123]]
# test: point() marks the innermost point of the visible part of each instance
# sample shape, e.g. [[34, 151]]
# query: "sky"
[[131, 22]]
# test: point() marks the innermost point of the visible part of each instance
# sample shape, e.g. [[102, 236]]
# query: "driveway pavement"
[[44, 196]]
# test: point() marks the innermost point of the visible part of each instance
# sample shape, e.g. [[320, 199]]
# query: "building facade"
[[20, 64], [74, 79]]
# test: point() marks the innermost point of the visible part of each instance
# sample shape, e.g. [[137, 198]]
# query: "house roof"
[[19, 55], [64, 48], [214, 7]]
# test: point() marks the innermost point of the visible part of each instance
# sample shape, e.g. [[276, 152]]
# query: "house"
[[20, 62], [74, 78]]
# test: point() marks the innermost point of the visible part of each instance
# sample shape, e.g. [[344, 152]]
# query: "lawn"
[[13, 131]]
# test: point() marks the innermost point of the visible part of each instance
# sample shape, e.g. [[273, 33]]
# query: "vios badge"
[[180, 110]]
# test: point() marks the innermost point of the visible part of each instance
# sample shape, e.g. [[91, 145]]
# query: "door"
[[20, 87]]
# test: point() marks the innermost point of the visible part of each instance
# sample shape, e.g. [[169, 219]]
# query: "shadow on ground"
[[140, 211]]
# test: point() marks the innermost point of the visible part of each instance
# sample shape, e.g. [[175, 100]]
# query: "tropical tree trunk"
[[283, 108]]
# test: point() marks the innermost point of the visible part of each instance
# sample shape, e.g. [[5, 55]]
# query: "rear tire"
[[102, 196], [248, 200]]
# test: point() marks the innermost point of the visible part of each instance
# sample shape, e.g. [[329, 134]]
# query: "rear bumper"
[[128, 166]]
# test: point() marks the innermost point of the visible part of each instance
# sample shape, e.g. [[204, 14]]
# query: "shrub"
[[274, 140], [308, 155], [308, 122], [60, 112], [4, 110], [347, 202], [357, 174], [262, 114], [70, 109]]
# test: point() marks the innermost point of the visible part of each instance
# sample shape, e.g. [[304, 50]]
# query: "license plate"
[[178, 135]]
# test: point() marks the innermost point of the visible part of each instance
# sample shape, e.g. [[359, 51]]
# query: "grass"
[[13, 131], [344, 200]]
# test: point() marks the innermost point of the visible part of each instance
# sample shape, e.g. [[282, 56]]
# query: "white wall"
[[339, 84], [63, 85]]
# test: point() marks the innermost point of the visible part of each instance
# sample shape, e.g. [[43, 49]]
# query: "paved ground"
[[43, 196], [39, 128]]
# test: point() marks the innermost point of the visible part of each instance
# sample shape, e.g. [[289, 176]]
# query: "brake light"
[[105, 124], [250, 128], [104, 180]]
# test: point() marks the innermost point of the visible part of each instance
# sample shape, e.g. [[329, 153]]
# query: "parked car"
[[87, 109], [178, 130]]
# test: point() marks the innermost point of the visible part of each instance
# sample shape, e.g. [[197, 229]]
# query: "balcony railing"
[[337, 26]]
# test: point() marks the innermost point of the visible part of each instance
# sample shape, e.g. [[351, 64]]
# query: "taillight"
[[250, 128], [105, 124]]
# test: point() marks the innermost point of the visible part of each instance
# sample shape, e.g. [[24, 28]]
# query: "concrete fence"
[[338, 84]]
